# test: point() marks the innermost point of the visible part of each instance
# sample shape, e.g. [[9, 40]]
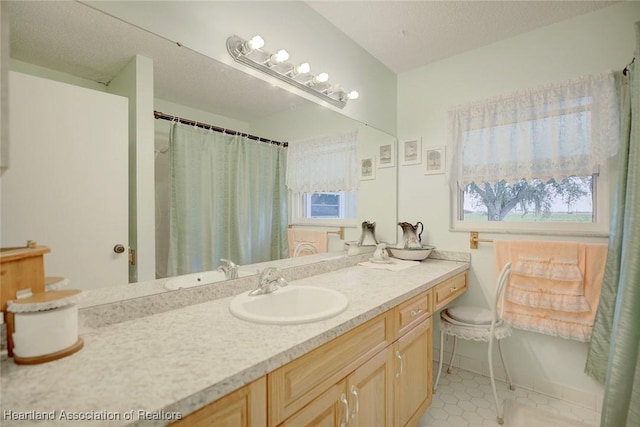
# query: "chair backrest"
[[305, 248], [503, 279]]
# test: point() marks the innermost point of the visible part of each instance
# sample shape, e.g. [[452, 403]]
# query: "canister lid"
[[45, 301]]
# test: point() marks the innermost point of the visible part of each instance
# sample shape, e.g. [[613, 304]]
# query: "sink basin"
[[289, 305], [197, 279]]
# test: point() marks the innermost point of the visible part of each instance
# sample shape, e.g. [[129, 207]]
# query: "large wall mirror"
[[67, 40]]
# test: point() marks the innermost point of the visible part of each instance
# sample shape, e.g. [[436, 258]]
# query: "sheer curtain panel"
[[323, 163], [554, 131]]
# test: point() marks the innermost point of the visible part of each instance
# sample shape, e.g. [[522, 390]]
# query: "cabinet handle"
[[414, 313], [455, 288], [343, 399], [399, 357], [354, 392]]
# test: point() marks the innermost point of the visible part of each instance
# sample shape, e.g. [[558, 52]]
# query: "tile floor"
[[465, 399]]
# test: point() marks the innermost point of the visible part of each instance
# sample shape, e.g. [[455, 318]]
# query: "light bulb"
[[248, 46], [321, 78], [278, 57], [256, 42], [303, 68], [353, 94]]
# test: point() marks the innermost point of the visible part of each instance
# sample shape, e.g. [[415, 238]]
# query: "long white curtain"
[[554, 131], [227, 200], [323, 163]]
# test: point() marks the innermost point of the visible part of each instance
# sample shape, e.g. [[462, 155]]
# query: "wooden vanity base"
[[49, 357]]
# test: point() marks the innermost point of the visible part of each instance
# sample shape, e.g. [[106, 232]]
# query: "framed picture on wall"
[[386, 156], [411, 153], [368, 168], [434, 160]]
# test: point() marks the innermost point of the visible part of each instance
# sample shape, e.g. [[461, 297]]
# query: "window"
[[572, 199], [535, 160], [318, 206], [322, 178]]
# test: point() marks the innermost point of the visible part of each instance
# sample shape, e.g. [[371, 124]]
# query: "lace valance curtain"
[[554, 131], [323, 163]]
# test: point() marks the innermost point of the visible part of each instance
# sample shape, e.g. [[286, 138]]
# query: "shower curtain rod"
[[163, 116]]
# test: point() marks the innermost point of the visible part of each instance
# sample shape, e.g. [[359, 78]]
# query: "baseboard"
[[592, 401]]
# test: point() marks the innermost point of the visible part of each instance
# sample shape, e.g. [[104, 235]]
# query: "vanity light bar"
[[250, 53]]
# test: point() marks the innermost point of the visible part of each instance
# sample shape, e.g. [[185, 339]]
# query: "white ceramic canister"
[[45, 325]]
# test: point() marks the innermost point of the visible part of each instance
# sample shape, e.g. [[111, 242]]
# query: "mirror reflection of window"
[[330, 205]]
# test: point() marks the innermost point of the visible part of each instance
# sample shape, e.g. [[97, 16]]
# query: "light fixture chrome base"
[[258, 58]]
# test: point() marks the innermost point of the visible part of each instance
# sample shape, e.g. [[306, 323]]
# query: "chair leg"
[[499, 409], [435, 385], [506, 370], [453, 353]]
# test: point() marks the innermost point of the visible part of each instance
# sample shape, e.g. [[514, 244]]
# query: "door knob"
[[119, 249]]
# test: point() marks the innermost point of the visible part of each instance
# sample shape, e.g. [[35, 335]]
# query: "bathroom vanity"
[[200, 365]]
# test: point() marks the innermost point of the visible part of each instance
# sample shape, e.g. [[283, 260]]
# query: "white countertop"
[[179, 361]]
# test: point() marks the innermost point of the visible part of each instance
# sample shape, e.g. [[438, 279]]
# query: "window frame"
[[598, 228], [298, 203]]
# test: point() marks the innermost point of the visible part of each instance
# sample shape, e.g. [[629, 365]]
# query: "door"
[[330, 409], [370, 389], [67, 183], [413, 376]]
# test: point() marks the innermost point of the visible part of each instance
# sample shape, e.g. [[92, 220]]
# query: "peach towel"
[[554, 287], [318, 239]]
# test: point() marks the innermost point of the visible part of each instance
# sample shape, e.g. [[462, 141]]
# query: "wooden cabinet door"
[[327, 410], [413, 361], [246, 407], [370, 389]]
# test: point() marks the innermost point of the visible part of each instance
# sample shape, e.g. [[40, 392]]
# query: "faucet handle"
[[229, 268], [228, 262]]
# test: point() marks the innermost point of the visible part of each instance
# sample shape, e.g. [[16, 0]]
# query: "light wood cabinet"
[[302, 380], [364, 398], [378, 374], [245, 407], [449, 290], [370, 392], [413, 377]]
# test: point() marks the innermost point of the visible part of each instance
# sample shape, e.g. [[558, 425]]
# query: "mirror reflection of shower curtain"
[[227, 200]]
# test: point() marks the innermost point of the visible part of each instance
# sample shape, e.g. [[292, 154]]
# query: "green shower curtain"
[[227, 200], [614, 351]]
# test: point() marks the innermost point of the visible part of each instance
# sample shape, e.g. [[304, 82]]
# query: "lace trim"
[[548, 268], [475, 333], [548, 300], [549, 326], [43, 306], [493, 139], [323, 163]]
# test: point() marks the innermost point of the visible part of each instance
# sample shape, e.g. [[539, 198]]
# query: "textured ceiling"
[[73, 38], [409, 34]]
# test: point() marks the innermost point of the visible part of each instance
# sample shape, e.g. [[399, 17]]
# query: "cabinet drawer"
[[412, 312], [299, 382], [449, 290]]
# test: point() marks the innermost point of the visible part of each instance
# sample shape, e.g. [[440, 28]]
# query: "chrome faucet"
[[229, 268], [269, 280]]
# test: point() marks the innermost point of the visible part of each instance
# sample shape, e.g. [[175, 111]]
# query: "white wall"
[[135, 81], [592, 43]]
